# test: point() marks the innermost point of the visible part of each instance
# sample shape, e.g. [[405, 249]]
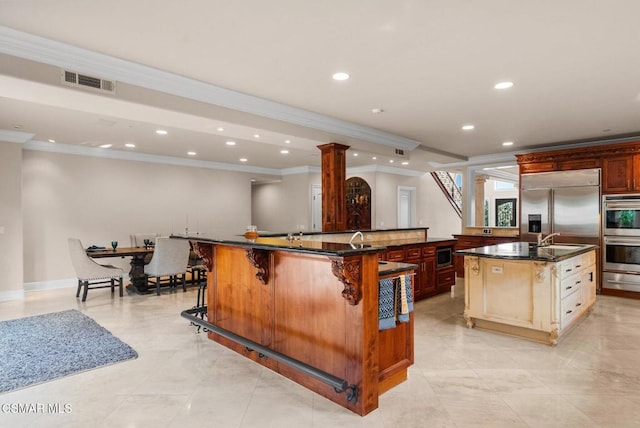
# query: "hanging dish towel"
[[404, 297], [386, 304]]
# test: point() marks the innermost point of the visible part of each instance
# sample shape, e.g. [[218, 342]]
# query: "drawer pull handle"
[[569, 287], [568, 270], [568, 312], [578, 282], [578, 266], [578, 304]]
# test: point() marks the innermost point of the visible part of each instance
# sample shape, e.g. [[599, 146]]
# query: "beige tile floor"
[[461, 377]]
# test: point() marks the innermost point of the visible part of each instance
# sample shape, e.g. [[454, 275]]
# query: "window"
[[504, 185]]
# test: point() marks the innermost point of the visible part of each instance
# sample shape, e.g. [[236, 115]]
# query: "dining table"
[[138, 259]]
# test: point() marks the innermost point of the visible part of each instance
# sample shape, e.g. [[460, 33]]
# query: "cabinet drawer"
[[428, 251], [570, 284], [464, 243], [570, 308], [446, 277], [414, 253], [395, 255]]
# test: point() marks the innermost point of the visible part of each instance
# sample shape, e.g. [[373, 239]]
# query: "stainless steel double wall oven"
[[621, 242]]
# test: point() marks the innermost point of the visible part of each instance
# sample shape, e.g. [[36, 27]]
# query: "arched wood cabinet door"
[[358, 204]]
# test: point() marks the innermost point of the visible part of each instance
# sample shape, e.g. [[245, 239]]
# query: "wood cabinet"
[[429, 279], [464, 242], [617, 174], [620, 163], [534, 299], [621, 174], [318, 308], [395, 349]]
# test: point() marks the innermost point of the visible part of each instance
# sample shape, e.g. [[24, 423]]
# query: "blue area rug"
[[45, 347]]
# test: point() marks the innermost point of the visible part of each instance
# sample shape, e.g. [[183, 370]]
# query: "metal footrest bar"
[[339, 385]]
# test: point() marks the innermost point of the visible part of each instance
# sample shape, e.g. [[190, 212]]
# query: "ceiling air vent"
[[400, 152], [71, 78]]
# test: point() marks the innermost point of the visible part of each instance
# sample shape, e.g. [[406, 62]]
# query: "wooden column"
[[334, 193]]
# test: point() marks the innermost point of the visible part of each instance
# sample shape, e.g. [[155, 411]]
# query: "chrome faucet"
[[354, 236], [543, 242]]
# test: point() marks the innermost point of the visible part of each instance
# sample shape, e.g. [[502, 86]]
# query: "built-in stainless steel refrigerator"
[[565, 202]]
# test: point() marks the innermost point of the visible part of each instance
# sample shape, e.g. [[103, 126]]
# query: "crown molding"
[[143, 157], [301, 170], [385, 169], [15, 136], [40, 49]]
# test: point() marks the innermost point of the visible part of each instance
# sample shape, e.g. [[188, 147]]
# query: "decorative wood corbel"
[[539, 271], [473, 263], [260, 260], [205, 252], [349, 274]]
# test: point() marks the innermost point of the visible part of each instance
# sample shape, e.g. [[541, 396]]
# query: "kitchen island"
[[524, 290], [311, 301]]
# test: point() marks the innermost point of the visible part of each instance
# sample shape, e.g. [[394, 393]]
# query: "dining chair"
[[170, 259], [90, 273]]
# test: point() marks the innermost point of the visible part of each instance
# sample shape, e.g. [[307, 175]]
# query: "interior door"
[[406, 207]]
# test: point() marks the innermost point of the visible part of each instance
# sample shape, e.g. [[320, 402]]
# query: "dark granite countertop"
[[278, 234], [528, 251], [282, 244], [389, 268]]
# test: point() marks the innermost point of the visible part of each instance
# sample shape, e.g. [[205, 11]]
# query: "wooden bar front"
[[318, 309]]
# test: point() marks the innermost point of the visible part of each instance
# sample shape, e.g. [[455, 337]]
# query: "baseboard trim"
[[50, 285], [11, 295]]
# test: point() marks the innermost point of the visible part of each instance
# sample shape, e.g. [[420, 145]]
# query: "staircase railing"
[[449, 187]]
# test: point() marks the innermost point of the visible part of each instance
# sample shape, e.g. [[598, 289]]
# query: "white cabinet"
[[535, 299]]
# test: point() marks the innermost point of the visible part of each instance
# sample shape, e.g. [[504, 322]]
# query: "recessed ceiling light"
[[253, 180], [377, 110], [220, 129], [256, 135], [508, 143], [374, 158], [355, 154], [17, 126], [287, 141], [390, 160], [243, 159], [231, 143], [130, 145], [468, 127], [503, 85], [405, 163], [161, 132], [105, 146], [51, 140], [341, 75], [284, 152], [191, 153]]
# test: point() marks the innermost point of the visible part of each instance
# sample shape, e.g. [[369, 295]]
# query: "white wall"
[[99, 200], [10, 221], [284, 206]]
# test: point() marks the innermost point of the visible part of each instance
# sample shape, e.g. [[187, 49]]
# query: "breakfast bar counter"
[[312, 301]]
